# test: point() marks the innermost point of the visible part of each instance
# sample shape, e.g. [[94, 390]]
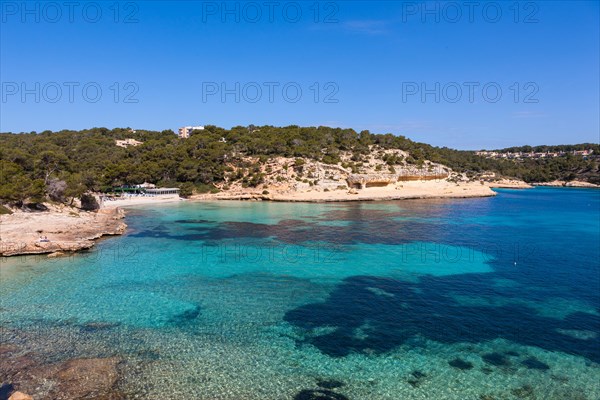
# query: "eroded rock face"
[[360, 181]]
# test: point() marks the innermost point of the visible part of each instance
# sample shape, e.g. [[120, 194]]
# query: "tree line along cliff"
[[68, 164]]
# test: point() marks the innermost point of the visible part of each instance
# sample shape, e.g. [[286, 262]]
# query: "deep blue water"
[[454, 299]]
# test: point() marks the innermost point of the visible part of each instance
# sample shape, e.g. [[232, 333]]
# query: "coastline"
[[403, 191], [509, 184], [570, 184], [138, 201], [406, 191], [71, 230], [67, 229]]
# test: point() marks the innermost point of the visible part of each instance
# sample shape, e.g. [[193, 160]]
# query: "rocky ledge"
[[57, 231]]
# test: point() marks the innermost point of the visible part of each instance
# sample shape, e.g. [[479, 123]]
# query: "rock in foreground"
[[66, 230]]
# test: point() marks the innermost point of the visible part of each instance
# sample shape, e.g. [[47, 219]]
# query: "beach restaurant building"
[[146, 189], [162, 191]]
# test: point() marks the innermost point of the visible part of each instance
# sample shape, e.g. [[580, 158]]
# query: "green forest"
[[64, 165]]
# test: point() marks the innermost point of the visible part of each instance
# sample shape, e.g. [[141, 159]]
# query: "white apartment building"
[[185, 131]]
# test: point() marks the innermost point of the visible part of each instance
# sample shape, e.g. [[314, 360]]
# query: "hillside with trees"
[[62, 166]]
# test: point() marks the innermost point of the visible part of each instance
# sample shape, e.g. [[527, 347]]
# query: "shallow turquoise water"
[[247, 300]]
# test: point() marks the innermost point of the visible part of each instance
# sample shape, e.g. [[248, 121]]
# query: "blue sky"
[[491, 76]]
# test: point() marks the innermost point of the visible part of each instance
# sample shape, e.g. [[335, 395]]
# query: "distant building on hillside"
[[186, 131], [128, 142]]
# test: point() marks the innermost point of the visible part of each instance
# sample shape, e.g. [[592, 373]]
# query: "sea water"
[[490, 298]]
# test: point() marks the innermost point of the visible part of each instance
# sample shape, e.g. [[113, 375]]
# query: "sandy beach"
[[137, 201], [400, 191], [407, 190]]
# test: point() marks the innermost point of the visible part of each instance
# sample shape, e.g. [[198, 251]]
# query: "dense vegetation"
[[67, 164], [552, 149]]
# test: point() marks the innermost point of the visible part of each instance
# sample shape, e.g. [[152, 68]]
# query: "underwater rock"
[[330, 384], [92, 327], [534, 363], [73, 379], [558, 378], [578, 334], [418, 374], [496, 359], [321, 394], [80, 378], [460, 364], [396, 320], [523, 391], [380, 292], [192, 221], [414, 382], [151, 355], [185, 317], [20, 396], [417, 378]]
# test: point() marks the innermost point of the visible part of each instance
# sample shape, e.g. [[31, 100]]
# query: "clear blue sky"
[[374, 58]]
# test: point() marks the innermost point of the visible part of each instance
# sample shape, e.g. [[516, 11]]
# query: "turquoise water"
[[423, 299]]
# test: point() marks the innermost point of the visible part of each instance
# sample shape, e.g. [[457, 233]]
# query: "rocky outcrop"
[[85, 378], [28, 372], [509, 184], [580, 184], [20, 396], [360, 181], [93, 378], [422, 177], [57, 231], [387, 173]]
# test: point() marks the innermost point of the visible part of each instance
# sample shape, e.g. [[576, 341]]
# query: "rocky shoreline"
[[62, 230], [575, 184], [519, 184], [57, 232], [509, 184]]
